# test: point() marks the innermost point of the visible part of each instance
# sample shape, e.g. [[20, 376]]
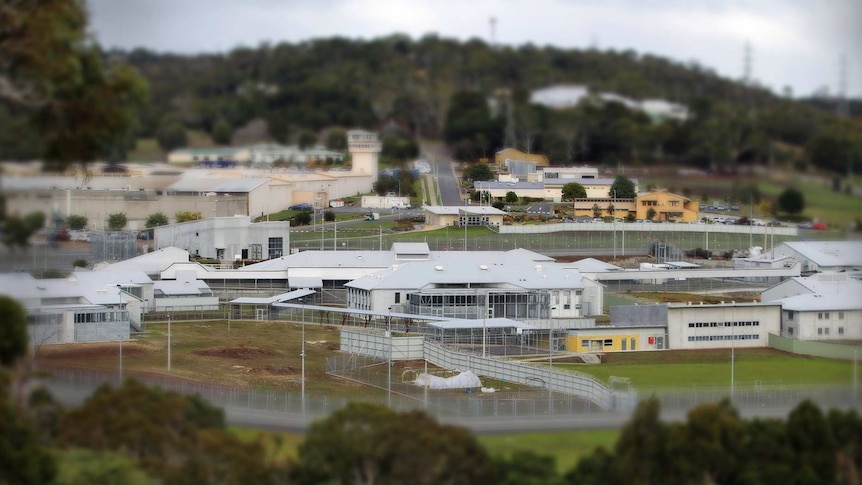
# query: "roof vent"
[[483, 267], [395, 266], [438, 268], [538, 267]]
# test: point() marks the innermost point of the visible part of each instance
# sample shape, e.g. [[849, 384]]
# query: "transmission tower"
[[493, 22]]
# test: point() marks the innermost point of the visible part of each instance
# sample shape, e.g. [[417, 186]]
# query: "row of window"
[[711, 338], [825, 315], [746, 323], [825, 330], [98, 317]]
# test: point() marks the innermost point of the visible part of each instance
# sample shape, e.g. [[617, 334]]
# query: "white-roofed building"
[[185, 293], [822, 256], [66, 310], [475, 289], [823, 306], [227, 238], [454, 215]]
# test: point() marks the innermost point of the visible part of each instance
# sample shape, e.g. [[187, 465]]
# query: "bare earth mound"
[[86, 352], [239, 353]]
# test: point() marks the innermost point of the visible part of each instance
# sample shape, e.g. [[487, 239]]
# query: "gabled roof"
[[592, 265], [150, 263], [828, 253], [815, 302], [417, 275]]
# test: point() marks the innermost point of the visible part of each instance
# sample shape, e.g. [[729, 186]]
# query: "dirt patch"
[[239, 353], [269, 370], [92, 351]]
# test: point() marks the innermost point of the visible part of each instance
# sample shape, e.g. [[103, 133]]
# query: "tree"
[[79, 263], [301, 219], [117, 221], [650, 214], [76, 223], [597, 211], [572, 191], [511, 197], [611, 210], [222, 132], [385, 184], [329, 216], [791, 201], [641, 449], [13, 331], [475, 172], [526, 468], [365, 443], [156, 219], [336, 139], [469, 129], [307, 139], [185, 216], [622, 188], [171, 133], [17, 230], [52, 71], [83, 467]]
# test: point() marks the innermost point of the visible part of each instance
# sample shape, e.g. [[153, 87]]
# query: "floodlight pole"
[[389, 360], [484, 326], [732, 349], [169, 342], [302, 355], [121, 359], [613, 215]]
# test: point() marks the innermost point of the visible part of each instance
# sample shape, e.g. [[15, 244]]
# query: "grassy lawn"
[[567, 447], [836, 208], [687, 368]]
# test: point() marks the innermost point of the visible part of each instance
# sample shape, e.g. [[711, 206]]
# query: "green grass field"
[[567, 447], [681, 369]]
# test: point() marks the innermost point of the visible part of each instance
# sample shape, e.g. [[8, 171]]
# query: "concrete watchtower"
[[364, 148]]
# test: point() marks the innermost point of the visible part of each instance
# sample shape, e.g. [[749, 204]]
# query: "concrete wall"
[[816, 349], [649, 315]]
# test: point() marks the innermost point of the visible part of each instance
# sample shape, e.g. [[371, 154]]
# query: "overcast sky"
[[797, 43]]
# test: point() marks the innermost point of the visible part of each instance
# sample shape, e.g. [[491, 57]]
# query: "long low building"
[[227, 238]]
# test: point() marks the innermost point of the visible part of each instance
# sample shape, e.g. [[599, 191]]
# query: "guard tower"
[[364, 148]]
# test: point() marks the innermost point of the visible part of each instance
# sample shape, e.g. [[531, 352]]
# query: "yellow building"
[[667, 206], [616, 339], [517, 155]]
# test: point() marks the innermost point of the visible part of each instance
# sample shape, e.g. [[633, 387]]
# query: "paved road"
[[450, 191], [541, 208]]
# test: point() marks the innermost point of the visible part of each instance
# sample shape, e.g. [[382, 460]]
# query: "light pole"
[[169, 342], [484, 327], [302, 355], [389, 359], [615, 224], [732, 348]]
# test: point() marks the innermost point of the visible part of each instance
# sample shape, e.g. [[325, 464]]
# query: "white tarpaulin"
[[460, 381]]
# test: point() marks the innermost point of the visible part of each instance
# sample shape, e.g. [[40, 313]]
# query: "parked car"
[[305, 206]]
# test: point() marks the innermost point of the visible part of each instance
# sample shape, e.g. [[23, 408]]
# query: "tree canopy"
[[53, 74], [572, 191], [622, 188], [791, 201]]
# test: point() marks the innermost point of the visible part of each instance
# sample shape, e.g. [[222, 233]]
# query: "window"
[[255, 251], [819, 330], [397, 297], [840, 315], [790, 316], [840, 330], [789, 330], [276, 247], [820, 315], [608, 342], [826, 330], [567, 306], [826, 316]]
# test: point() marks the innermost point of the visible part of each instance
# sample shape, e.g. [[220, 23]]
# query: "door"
[[659, 343]]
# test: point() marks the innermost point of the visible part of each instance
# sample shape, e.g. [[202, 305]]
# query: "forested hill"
[[410, 85]]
